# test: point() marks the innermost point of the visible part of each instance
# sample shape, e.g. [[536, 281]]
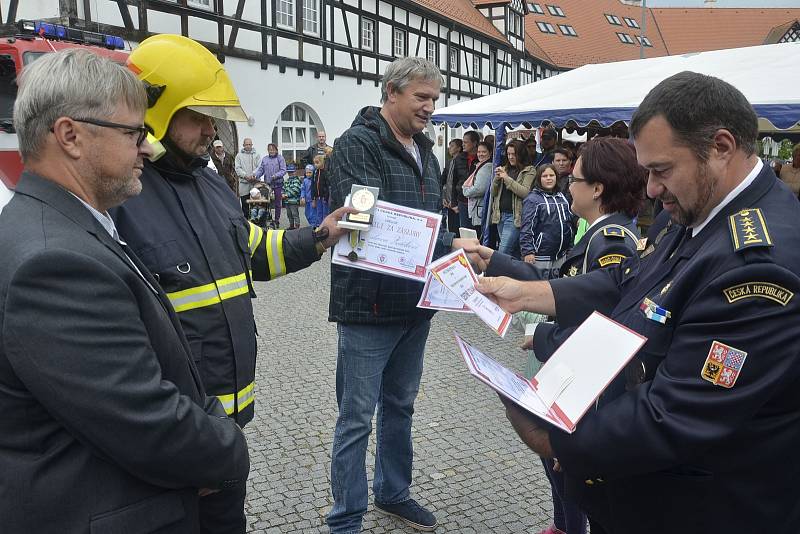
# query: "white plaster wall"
[[32, 9]]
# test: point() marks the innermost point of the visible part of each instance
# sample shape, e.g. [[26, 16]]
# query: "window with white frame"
[[453, 60], [202, 4], [644, 40], [294, 131], [476, 66], [625, 38], [613, 19], [284, 13], [367, 34], [535, 8], [566, 29], [311, 16], [555, 11], [515, 23], [631, 22], [545, 27], [399, 42], [432, 49]]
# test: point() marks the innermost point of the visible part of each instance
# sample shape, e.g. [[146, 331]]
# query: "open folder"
[[571, 380]]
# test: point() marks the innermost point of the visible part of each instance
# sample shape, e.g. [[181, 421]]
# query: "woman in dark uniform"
[[607, 187]]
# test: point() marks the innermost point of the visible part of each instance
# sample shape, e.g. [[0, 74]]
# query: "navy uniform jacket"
[[707, 442], [603, 245], [105, 426]]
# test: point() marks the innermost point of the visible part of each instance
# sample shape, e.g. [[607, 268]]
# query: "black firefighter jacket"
[[188, 228]]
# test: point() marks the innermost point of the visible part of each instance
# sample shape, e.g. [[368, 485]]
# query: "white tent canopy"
[[769, 76]]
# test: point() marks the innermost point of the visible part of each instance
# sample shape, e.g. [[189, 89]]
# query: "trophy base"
[[353, 225]]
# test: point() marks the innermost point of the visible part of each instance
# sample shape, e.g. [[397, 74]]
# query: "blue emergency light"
[[49, 30]]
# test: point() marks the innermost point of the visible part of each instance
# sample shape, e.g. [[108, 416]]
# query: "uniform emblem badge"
[[611, 259], [723, 365], [665, 288], [573, 271], [749, 229], [764, 290]]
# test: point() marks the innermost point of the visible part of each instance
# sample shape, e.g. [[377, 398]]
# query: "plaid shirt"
[[369, 154]]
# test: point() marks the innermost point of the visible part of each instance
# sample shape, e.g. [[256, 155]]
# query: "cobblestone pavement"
[[470, 468]]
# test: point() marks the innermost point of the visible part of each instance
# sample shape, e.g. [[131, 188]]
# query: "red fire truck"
[[34, 39]]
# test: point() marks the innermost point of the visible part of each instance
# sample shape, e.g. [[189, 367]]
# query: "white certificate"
[[455, 273], [435, 296], [572, 379], [400, 242]]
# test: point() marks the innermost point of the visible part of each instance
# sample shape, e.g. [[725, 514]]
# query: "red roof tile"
[[670, 30], [464, 12], [699, 29], [597, 40]]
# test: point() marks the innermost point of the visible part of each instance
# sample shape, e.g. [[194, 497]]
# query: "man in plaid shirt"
[[382, 333]]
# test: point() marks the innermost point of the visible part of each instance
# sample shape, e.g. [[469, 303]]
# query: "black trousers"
[[223, 512], [245, 207]]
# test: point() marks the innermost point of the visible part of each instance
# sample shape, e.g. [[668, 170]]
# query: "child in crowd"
[[259, 212], [308, 195], [546, 232], [291, 196], [321, 190]]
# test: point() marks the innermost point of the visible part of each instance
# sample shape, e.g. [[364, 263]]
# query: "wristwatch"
[[320, 233]]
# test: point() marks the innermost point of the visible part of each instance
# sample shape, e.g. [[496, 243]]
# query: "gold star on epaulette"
[[749, 229]]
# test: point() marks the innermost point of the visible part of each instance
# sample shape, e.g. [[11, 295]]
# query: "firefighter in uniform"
[[190, 232]]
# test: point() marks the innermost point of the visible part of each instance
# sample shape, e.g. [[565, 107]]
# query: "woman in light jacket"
[[475, 186], [512, 183], [546, 233]]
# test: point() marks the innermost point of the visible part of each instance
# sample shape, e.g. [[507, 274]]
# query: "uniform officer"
[[105, 426], [707, 439]]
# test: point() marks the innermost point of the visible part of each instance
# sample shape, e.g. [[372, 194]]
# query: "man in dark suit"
[[703, 435], [105, 427]]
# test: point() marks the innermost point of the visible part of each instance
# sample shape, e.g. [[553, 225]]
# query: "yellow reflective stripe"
[[245, 396], [256, 234], [276, 261], [209, 294]]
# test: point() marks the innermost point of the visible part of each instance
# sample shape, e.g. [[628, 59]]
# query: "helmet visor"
[[228, 113]]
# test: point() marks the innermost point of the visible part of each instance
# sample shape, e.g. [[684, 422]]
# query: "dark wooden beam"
[[142, 15], [238, 16], [125, 14], [184, 19]]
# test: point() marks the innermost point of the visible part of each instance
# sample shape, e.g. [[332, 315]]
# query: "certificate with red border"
[[400, 242], [456, 274], [571, 380]]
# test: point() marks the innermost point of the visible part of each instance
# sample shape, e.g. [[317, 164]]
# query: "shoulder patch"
[[613, 231], [723, 365], [611, 259], [764, 290], [749, 229]]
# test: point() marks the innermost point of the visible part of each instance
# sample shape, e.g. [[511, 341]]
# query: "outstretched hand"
[[334, 232], [479, 256], [508, 293]]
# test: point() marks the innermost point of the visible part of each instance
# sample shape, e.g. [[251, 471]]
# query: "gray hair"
[[70, 83], [404, 70]]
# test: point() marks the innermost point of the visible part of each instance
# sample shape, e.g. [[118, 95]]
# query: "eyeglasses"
[[572, 179], [143, 130]]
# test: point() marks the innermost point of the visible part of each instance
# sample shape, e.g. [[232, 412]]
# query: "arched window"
[[296, 130]]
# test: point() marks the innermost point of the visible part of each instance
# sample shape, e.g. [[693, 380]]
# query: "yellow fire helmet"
[[181, 73]]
